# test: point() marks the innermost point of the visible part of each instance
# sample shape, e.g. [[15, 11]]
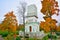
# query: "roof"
[[33, 23], [32, 16]]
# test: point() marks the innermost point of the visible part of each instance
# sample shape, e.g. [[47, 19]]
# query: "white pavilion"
[[31, 24]]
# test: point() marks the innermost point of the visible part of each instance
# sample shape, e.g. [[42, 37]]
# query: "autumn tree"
[[58, 28], [49, 8], [10, 23], [47, 24], [0, 26]]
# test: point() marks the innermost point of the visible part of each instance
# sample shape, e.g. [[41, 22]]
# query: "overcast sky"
[[9, 5]]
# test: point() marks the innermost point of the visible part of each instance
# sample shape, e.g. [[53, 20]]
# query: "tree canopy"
[[49, 7], [9, 23]]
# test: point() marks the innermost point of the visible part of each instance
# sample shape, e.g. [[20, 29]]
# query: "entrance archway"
[[30, 29]]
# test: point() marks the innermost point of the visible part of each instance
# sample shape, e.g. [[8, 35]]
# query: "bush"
[[53, 36], [9, 37], [11, 34], [17, 32], [31, 38], [58, 33], [5, 33], [45, 38], [27, 36], [1, 32], [18, 38]]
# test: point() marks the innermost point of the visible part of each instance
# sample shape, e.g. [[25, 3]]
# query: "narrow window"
[[30, 29]]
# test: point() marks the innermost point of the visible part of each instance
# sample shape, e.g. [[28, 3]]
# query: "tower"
[[31, 24]]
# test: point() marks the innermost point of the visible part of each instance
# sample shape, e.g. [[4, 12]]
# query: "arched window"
[[30, 29]]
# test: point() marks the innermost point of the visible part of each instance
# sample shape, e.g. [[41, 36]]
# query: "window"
[[30, 29]]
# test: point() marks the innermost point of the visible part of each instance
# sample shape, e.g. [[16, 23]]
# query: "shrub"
[[45, 38], [18, 38], [53, 36], [1, 32], [58, 33], [9, 37], [31, 38], [17, 32], [5, 33]]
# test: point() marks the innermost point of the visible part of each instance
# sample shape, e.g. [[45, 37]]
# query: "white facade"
[[31, 24], [31, 19], [34, 27]]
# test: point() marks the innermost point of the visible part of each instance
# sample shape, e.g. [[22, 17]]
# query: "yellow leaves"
[[49, 5], [44, 26], [45, 5], [9, 22], [14, 28], [48, 19], [43, 10], [47, 29], [58, 28], [48, 24], [9, 14], [41, 24]]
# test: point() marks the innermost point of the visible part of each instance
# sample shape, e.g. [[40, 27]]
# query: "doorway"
[[30, 29]]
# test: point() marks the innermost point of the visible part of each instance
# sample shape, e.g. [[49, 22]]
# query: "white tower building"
[[31, 24]]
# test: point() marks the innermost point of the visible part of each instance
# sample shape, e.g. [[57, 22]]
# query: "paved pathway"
[[1, 38]]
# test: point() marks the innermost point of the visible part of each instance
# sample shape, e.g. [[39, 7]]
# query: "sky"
[[11, 5]]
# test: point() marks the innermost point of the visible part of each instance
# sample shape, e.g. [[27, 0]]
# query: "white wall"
[[31, 19], [35, 27]]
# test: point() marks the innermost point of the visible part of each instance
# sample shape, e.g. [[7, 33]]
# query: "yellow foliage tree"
[[10, 23], [48, 25], [58, 28], [49, 8]]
